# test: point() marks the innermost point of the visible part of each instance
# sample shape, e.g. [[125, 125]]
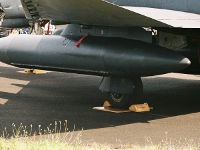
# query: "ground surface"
[[43, 99]]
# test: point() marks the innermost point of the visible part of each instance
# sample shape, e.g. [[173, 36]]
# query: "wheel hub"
[[117, 97]]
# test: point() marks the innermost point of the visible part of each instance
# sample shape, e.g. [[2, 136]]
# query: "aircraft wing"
[[173, 18], [99, 12]]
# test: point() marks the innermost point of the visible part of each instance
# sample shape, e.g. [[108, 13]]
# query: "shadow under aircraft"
[[44, 99]]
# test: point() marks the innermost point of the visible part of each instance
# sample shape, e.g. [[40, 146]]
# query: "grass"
[[24, 138], [49, 144], [19, 144]]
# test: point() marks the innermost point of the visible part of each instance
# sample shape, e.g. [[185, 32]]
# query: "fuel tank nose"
[[185, 62], [180, 62]]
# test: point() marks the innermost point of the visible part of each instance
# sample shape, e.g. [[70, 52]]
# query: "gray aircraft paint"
[[116, 13], [14, 14], [117, 52], [13, 8], [134, 33], [105, 54], [95, 55], [15, 23], [192, 6]]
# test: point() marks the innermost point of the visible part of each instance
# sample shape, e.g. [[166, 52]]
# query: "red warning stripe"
[[81, 40]]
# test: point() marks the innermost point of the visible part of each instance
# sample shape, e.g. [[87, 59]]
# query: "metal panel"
[[90, 12]]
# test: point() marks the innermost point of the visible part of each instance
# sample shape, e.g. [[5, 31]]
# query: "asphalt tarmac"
[[44, 99]]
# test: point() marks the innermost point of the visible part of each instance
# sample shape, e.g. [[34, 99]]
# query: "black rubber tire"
[[123, 101], [138, 92]]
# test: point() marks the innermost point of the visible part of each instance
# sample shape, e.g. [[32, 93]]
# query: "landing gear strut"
[[122, 92]]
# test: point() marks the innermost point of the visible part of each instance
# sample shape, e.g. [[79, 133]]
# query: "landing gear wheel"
[[118, 100], [138, 93], [117, 97]]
